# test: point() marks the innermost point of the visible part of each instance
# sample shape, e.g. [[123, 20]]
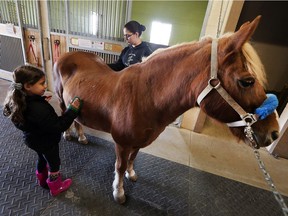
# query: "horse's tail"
[[58, 86]]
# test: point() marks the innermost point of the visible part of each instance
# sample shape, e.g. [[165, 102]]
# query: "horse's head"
[[241, 73]]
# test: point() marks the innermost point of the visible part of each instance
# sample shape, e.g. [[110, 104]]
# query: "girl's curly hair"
[[15, 103]]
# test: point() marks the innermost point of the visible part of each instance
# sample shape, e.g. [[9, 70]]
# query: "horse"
[[136, 104]]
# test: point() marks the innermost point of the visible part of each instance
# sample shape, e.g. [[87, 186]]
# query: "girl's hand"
[[48, 97], [75, 104]]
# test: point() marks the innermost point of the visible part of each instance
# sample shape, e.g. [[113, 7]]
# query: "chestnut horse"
[[136, 104]]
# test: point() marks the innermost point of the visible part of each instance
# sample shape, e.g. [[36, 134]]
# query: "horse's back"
[[81, 61]]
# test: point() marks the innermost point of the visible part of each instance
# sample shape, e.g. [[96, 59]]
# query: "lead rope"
[[249, 134]]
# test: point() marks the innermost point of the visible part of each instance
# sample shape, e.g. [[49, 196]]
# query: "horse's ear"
[[244, 24], [243, 34]]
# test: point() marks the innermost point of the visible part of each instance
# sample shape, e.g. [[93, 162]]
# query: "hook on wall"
[[31, 37], [57, 42]]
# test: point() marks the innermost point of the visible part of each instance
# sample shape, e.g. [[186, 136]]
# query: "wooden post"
[[280, 146], [194, 119]]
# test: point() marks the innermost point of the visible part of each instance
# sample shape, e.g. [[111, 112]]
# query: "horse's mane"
[[253, 62], [160, 50]]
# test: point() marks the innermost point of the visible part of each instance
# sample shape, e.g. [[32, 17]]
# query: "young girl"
[[30, 112]]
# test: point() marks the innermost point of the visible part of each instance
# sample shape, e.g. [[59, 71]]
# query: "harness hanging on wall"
[[56, 51], [32, 48]]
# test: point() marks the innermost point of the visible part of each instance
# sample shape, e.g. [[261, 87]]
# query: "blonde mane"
[[254, 63], [160, 50]]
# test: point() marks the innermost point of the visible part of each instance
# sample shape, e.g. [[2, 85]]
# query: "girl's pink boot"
[[42, 177], [58, 185]]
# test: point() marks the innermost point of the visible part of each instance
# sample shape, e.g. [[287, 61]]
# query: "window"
[[94, 23], [101, 18], [160, 33]]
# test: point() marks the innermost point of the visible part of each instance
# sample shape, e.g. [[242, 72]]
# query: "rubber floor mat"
[[163, 187]]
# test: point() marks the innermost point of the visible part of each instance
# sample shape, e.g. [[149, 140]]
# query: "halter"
[[247, 119]]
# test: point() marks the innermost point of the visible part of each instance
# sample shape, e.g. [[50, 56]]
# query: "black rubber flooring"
[[163, 187]]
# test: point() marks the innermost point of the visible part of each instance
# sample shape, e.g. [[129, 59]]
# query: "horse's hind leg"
[[81, 137], [120, 168], [130, 173]]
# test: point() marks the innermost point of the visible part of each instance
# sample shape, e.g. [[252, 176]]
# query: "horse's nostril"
[[275, 135]]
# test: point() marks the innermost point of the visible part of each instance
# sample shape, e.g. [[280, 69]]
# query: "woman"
[[136, 49]]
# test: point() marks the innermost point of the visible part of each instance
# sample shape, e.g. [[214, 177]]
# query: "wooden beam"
[[194, 119], [279, 148]]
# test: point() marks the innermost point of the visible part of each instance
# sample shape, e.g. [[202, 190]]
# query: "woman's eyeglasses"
[[127, 36]]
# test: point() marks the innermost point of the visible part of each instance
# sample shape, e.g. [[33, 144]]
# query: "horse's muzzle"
[[274, 135], [269, 139]]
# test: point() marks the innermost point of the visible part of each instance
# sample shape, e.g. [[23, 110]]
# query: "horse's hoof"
[[120, 199], [133, 177], [83, 141], [67, 137]]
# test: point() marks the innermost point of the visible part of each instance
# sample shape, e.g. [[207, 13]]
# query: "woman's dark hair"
[[133, 26], [15, 103]]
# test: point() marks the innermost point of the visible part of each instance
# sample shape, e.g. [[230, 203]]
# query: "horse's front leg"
[[120, 168], [130, 172], [67, 134], [81, 137]]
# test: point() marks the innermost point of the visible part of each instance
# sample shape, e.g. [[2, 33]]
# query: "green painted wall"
[[186, 17]]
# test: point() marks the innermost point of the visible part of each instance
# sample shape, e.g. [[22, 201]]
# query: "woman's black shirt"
[[131, 55]]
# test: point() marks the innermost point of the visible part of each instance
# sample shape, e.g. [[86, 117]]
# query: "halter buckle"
[[249, 119]]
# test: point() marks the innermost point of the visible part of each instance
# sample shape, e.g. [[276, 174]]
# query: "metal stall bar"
[[38, 20], [4, 18], [20, 24]]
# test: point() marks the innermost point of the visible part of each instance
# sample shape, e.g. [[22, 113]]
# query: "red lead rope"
[[31, 48], [56, 52]]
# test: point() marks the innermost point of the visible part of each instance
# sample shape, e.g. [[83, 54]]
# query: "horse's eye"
[[247, 82]]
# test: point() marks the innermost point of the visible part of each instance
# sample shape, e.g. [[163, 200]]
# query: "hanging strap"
[[56, 52], [31, 48]]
